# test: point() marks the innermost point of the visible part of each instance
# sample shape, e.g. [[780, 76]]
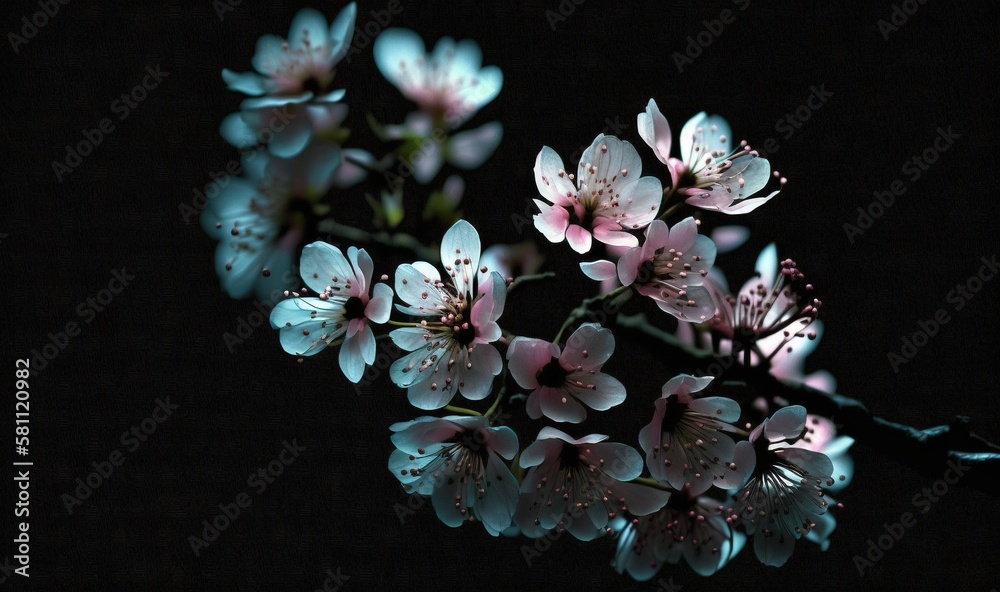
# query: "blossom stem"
[[462, 410], [670, 210], [397, 240], [584, 309], [526, 279], [651, 483]]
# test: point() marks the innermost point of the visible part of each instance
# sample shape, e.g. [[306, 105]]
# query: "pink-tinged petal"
[[640, 500], [409, 338], [396, 53], [696, 306], [579, 238], [607, 392], [363, 266], [612, 234], [684, 234], [655, 131], [720, 408], [703, 134], [685, 384], [356, 352], [417, 290], [542, 448], [636, 207], [533, 406], [427, 161], [476, 382], [526, 357], [558, 406], [620, 461], [308, 28], [816, 464], [599, 270], [324, 265], [786, 423], [342, 32], [470, 149], [589, 347], [745, 459], [380, 306], [613, 162], [745, 206], [628, 266], [551, 221], [729, 238], [427, 269], [552, 179], [550, 432], [657, 237], [354, 326], [503, 440]]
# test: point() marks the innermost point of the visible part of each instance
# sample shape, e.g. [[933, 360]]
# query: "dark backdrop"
[[334, 506]]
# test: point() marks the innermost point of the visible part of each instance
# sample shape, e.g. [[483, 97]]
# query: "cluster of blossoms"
[[713, 473]]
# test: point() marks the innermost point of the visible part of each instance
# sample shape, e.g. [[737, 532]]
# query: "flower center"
[[552, 374], [466, 334], [673, 413], [354, 308], [311, 85]]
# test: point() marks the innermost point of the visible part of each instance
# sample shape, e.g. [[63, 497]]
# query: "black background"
[[334, 506]]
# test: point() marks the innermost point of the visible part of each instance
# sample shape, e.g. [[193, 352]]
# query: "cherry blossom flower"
[[342, 309], [610, 196], [770, 317], [712, 174], [781, 487], [450, 83], [694, 529], [580, 485], [289, 93], [451, 347], [456, 460], [257, 220], [685, 444], [562, 382], [669, 267]]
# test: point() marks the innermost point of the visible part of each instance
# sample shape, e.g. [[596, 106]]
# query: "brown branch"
[[928, 451]]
